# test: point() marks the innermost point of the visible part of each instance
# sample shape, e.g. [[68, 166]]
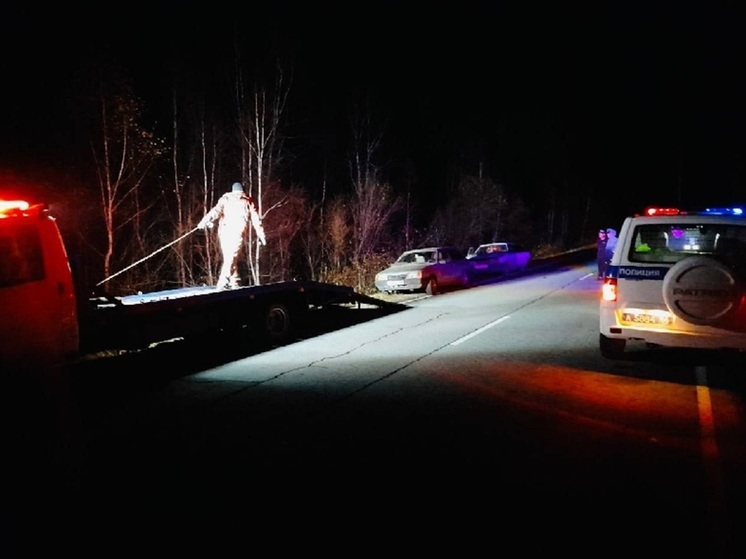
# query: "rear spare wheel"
[[700, 290]]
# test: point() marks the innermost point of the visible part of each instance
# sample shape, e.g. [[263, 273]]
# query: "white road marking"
[[482, 329]]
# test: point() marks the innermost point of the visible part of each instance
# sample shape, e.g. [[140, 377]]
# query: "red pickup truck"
[[37, 297]]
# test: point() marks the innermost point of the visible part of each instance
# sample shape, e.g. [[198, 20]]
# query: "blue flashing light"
[[723, 211]]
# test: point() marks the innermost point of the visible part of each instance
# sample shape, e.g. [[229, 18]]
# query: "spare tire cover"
[[701, 290]]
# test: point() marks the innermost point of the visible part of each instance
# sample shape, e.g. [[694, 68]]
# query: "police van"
[[676, 279], [39, 325]]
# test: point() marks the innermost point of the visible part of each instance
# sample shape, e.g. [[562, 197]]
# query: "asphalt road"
[[467, 423]]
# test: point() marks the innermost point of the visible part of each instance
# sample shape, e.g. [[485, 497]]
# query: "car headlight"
[[380, 277], [415, 275]]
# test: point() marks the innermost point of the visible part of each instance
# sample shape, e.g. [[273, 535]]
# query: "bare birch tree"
[[373, 200], [124, 151], [207, 196], [178, 188], [337, 234], [260, 116], [480, 210], [194, 162], [290, 211]]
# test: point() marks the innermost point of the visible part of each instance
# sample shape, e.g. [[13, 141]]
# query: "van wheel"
[[432, 286], [611, 348]]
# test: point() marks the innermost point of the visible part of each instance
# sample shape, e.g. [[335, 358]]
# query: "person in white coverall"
[[233, 212]]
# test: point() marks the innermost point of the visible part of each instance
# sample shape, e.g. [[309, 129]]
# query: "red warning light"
[[10, 207], [651, 211]]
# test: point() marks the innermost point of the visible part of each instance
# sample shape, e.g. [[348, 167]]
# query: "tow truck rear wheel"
[[277, 323]]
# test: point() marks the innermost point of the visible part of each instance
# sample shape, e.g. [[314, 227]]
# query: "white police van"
[[676, 279]]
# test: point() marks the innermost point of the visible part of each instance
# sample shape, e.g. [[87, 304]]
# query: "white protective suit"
[[233, 212]]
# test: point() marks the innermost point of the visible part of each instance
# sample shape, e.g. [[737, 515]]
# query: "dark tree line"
[[129, 217]]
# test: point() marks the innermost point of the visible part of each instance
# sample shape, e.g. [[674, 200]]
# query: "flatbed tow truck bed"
[[270, 311]]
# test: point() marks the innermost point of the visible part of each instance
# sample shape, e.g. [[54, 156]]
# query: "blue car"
[[497, 259]]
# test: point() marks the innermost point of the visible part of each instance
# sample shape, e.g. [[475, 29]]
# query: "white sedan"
[[428, 269]]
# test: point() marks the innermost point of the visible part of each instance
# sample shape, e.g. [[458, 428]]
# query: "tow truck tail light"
[[609, 289]]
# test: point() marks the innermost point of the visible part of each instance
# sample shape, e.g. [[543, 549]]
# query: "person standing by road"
[[233, 212], [601, 261], [611, 240]]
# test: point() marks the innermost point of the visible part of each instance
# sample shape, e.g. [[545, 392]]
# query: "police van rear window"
[[663, 243]]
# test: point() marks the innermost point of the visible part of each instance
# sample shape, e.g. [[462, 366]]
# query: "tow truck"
[[46, 322]]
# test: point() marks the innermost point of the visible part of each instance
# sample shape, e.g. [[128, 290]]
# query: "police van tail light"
[[609, 289]]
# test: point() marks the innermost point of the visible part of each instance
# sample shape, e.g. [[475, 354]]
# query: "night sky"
[[644, 102]]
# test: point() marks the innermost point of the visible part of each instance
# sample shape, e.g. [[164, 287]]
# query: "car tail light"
[[609, 289]]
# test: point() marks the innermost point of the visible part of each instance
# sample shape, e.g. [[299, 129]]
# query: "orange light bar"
[[10, 206]]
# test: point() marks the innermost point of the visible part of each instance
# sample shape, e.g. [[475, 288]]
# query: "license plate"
[[645, 318], [394, 283]]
